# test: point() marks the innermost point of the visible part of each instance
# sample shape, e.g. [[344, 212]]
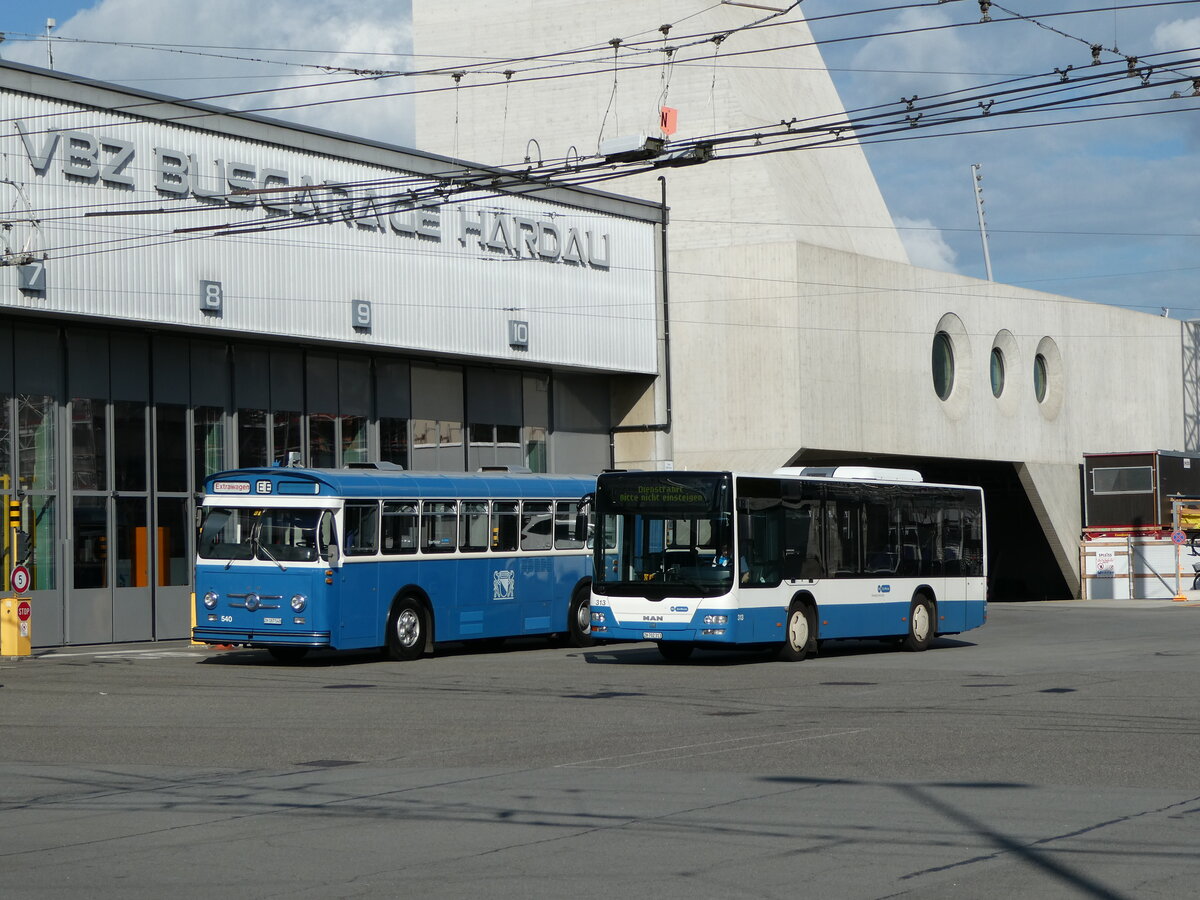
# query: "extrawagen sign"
[[104, 160]]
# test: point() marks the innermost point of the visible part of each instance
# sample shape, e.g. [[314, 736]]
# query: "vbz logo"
[[884, 589]]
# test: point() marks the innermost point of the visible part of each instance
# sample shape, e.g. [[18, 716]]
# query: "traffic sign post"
[[16, 626], [1178, 538]]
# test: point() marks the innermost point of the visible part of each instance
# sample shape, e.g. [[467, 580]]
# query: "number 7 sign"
[[33, 276]]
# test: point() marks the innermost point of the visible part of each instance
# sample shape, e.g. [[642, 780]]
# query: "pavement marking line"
[[121, 653], [741, 743]]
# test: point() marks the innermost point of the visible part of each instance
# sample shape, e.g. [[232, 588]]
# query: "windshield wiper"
[[257, 546], [260, 546]]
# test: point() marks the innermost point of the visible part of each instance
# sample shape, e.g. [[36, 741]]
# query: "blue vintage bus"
[[291, 559], [724, 559]]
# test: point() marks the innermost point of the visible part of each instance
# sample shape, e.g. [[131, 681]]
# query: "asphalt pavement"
[[1049, 754]]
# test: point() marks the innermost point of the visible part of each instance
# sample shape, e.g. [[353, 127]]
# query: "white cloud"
[[223, 46], [1170, 36], [925, 244], [1101, 211], [906, 63]]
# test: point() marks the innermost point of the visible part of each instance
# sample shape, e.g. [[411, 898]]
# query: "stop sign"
[[23, 610]]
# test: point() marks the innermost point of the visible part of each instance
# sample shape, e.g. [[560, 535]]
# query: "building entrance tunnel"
[[1021, 564]]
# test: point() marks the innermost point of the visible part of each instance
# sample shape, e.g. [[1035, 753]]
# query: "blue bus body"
[[282, 564], [725, 560]]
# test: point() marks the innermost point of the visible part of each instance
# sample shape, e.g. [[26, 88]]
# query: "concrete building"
[[815, 342], [185, 290]]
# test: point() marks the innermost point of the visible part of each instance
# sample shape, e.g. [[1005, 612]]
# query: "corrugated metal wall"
[[446, 295]]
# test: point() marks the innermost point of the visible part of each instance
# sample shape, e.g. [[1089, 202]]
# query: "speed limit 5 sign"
[[20, 579]]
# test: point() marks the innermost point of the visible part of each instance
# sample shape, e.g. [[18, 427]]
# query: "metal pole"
[[977, 185], [1174, 529], [50, 25]]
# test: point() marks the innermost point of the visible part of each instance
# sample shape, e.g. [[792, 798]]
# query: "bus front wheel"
[[920, 624], [800, 635], [579, 619], [406, 630]]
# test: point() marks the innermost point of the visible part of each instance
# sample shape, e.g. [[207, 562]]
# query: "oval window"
[[1040, 377], [943, 364], [997, 371]]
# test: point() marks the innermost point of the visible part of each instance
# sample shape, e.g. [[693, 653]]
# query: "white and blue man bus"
[[723, 560], [294, 559]]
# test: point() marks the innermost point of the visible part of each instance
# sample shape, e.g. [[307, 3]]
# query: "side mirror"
[[333, 555], [581, 518]]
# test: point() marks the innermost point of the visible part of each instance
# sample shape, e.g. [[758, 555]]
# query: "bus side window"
[[881, 537], [473, 537], [505, 525], [972, 539], [802, 540], [399, 527], [843, 520], [325, 535], [921, 537], [439, 523], [565, 513], [362, 529], [535, 525]]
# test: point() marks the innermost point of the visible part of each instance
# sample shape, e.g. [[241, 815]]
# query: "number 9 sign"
[[361, 314]]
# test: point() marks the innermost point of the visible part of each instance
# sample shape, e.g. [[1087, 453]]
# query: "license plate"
[[272, 621], [651, 635]]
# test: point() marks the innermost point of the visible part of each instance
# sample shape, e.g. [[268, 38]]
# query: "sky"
[[1104, 210]]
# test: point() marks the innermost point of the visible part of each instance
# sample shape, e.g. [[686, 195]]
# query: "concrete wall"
[[785, 339], [833, 352], [786, 196]]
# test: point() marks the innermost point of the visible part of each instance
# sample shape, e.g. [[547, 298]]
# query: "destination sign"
[[662, 494]]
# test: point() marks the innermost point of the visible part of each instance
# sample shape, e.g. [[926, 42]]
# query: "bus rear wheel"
[[579, 619], [406, 630], [920, 624], [800, 634], [675, 651]]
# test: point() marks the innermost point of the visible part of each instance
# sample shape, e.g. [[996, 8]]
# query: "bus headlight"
[[715, 620], [299, 601], [210, 600]]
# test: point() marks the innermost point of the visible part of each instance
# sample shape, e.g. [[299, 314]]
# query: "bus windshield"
[[277, 535], [668, 534]]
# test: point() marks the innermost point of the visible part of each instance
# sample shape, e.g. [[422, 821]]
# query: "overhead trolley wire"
[[651, 47]]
